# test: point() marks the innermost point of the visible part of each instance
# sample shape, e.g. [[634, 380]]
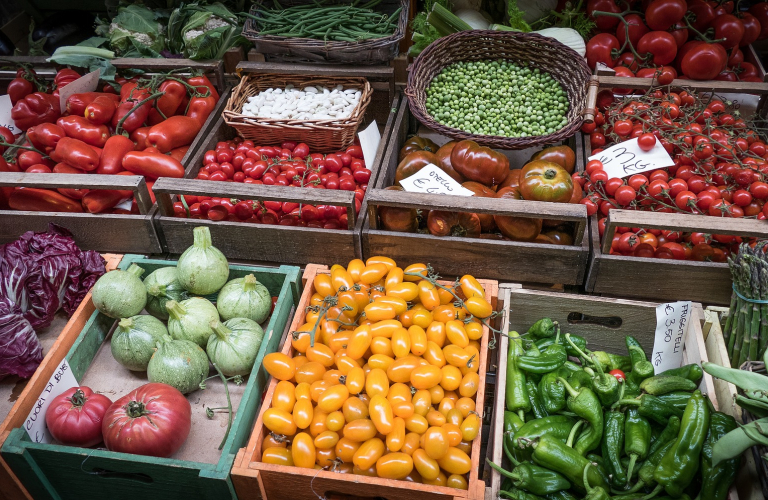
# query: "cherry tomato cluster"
[[667, 39], [720, 170], [388, 389], [289, 164]]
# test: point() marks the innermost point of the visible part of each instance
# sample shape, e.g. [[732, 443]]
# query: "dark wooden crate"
[[58, 471], [454, 256], [128, 233], [660, 279], [260, 242]]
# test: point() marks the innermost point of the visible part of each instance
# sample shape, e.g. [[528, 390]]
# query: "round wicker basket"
[[545, 53]]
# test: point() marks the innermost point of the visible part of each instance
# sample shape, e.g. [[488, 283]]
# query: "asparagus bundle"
[[746, 329]]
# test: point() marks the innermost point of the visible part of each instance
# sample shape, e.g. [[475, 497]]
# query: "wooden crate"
[[660, 279], [717, 352], [254, 479], [198, 469], [604, 324], [509, 260], [10, 486], [119, 233], [261, 242]]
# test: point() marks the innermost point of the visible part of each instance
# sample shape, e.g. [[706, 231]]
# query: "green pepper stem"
[[499, 469], [599, 367], [573, 392], [572, 434], [586, 477], [575, 347], [655, 492], [623, 494], [632, 459], [626, 402], [557, 335], [508, 453]]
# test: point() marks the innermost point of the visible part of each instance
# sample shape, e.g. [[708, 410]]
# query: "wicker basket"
[[319, 135], [757, 451], [286, 49], [545, 53]]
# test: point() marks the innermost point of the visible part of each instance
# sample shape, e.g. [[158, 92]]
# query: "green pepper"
[[641, 367], [678, 467], [557, 426], [537, 407], [512, 423], [561, 495], [553, 454], [516, 390], [580, 379], [692, 372], [678, 399], [653, 407], [656, 452], [518, 494], [596, 493], [545, 327], [662, 384], [717, 480], [533, 478], [637, 438], [605, 386], [668, 434], [579, 341], [585, 404], [612, 445], [613, 361], [551, 359], [552, 392]]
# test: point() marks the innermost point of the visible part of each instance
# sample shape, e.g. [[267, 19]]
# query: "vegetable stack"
[[746, 329], [608, 427], [145, 130]]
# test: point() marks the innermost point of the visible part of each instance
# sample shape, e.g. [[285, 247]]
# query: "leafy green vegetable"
[[204, 31], [516, 16], [572, 16], [134, 32], [423, 32], [87, 55]]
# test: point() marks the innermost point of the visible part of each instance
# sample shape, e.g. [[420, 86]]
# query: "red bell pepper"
[[115, 149], [65, 76], [42, 200], [77, 154], [201, 83], [153, 165], [19, 88], [200, 108], [45, 136], [35, 109], [174, 132], [77, 103], [78, 127]]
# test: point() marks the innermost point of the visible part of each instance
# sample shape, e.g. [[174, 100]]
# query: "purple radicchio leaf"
[[20, 349]]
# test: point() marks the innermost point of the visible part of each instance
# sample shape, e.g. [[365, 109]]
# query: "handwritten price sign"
[[5, 114], [671, 325], [432, 180], [61, 380], [626, 158]]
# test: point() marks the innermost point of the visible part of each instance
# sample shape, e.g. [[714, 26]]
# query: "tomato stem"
[[156, 95], [78, 398], [229, 405], [136, 409]]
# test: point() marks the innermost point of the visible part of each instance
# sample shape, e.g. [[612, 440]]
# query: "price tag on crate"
[[432, 180], [369, 143], [671, 324], [61, 380], [626, 158], [5, 114], [86, 83]]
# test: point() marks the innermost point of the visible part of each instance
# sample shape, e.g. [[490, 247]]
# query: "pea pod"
[[753, 384], [716, 480], [678, 467]]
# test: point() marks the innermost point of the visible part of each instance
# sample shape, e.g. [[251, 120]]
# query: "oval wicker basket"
[[319, 135], [545, 53]]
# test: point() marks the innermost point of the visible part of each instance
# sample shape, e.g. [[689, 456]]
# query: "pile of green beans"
[[343, 23], [498, 98]]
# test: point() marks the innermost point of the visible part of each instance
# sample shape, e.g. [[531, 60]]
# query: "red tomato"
[[153, 420], [729, 30], [742, 197], [618, 374], [663, 14], [599, 49], [685, 199], [637, 181], [760, 11], [646, 142], [678, 252], [636, 27], [603, 22], [627, 242], [625, 195], [702, 61], [660, 44], [74, 417]]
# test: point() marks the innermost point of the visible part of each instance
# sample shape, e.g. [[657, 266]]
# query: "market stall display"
[[397, 342], [198, 465]]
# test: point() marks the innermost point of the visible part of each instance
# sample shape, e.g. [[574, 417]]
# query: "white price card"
[[369, 143], [432, 180], [86, 83], [626, 158], [61, 380], [5, 114], [671, 325], [745, 104]]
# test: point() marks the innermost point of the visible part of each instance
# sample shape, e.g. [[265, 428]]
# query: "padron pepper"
[[612, 446], [551, 391], [479, 163], [544, 328], [556, 426], [678, 399], [596, 493], [518, 494], [716, 480], [668, 434], [658, 449], [553, 454], [585, 404], [537, 407], [551, 359], [580, 379], [611, 361], [512, 424], [516, 390], [606, 386], [650, 406], [561, 495], [661, 384], [533, 478], [637, 439], [692, 372], [580, 342], [641, 367], [679, 465]]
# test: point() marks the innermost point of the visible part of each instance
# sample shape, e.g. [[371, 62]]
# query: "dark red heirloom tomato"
[[153, 420], [74, 417]]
